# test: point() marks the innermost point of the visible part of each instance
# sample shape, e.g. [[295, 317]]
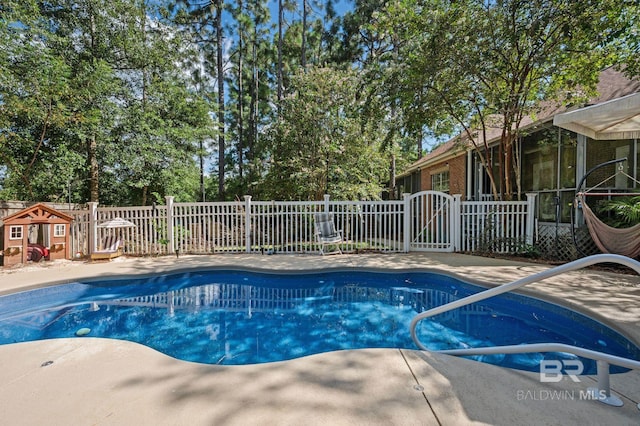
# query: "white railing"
[[282, 227], [603, 391], [247, 226], [496, 226], [370, 225], [208, 227]]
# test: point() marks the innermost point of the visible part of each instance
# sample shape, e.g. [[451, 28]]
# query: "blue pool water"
[[237, 317]]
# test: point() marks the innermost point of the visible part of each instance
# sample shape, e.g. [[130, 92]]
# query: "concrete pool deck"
[[99, 381]]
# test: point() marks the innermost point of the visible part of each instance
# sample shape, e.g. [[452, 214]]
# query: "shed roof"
[[38, 213]]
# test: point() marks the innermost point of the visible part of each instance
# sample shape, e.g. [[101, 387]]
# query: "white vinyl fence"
[[497, 226], [249, 226]]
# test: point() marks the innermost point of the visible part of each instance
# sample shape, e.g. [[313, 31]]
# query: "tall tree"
[[251, 59], [221, 99], [280, 41], [110, 87], [361, 41], [260, 50], [240, 78], [303, 41], [80, 42], [486, 65], [35, 93], [204, 20], [283, 6], [164, 119], [320, 144]]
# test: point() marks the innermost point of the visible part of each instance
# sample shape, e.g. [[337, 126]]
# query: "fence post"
[[171, 246], [247, 222], [93, 227], [326, 203], [531, 217], [456, 221], [406, 222]]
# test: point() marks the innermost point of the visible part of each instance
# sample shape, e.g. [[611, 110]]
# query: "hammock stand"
[[624, 241]]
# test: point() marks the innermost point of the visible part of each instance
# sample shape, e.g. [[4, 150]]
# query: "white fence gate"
[[431, 221]]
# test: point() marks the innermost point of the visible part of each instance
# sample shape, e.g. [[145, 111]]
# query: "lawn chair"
[[110, 248], [326, 232]]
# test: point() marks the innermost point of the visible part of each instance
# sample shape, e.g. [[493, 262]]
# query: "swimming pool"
[[240, 317]]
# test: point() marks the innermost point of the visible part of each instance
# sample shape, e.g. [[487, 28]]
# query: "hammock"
[[625, 241]]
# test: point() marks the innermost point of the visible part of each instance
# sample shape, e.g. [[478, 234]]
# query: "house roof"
[[612, 84]]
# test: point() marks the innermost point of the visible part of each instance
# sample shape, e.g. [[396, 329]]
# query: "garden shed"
[[35, 233]]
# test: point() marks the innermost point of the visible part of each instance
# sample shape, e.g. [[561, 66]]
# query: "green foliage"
[[114, 100], [36, 102], [483, 66], [623, 36], [93, 104], [620, 212], [319, 144]]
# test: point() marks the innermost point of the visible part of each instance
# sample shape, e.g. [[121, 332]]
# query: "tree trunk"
[[253, 108], [240, 96], [303, 46], [508, 166], [279, 71], [392, 178], [220, 76]]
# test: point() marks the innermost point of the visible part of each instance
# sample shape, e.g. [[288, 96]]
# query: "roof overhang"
[[615, 119]]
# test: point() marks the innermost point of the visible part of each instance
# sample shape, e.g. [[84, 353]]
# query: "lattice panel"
[[558, 244]]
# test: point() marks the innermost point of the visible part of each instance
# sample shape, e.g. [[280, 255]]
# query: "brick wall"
[[457, 174]]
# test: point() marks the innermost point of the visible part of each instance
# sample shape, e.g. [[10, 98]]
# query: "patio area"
[[100, 381]]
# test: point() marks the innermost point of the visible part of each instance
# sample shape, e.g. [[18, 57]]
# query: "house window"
[[440, 181], [59, 230], [15, 233]]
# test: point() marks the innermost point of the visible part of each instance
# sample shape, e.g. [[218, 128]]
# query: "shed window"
[[15, 233], [59, 230]]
